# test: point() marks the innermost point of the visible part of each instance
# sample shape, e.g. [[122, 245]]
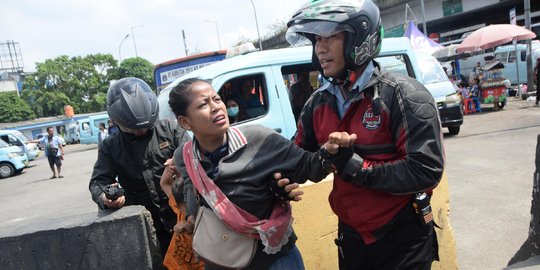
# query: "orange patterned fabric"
[[180, 254]]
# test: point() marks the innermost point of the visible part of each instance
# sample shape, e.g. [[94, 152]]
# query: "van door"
[[85, 131]]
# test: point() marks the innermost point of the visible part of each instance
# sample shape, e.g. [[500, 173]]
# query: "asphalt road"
[[490, 167]]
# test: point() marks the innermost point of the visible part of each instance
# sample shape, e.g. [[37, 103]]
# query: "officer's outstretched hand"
[[338, 140]]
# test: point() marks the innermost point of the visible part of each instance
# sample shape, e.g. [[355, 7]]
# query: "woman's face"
[[232, 108], [231, 103], [206, 114]]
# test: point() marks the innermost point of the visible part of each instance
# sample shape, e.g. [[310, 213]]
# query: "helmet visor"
[[298, 34], [134, 131]]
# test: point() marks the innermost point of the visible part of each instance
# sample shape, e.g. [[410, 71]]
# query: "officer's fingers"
[[283, 182], [334, 137], [343, 139], [352, 138], [277, 175], [291, 187], [121, 201], [296, 195], [331, 147]]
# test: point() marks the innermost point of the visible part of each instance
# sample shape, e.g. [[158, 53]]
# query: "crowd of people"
[[245, 177]]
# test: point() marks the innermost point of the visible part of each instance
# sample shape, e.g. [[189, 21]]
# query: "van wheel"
[[454, 130], [6, 170], [500, 105]]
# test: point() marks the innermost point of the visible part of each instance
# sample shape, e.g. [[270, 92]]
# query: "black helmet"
[[132, 104], [360, 19]]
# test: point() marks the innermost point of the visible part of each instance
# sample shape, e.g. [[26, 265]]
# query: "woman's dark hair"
[[180, 95]]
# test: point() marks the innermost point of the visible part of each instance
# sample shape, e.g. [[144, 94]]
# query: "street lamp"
[[257, 23], [217, 30], [120, 47], [133, 36]]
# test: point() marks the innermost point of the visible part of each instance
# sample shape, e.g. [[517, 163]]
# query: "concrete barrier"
[[121, 239], [316, 227]]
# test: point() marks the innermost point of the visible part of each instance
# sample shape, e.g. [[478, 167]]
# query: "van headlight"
[[453, 99], [13, 154]]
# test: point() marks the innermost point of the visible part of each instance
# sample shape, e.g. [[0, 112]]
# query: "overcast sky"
[[47, 29]]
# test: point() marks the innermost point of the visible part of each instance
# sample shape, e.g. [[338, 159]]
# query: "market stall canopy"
[[449, 53], [494, 35]]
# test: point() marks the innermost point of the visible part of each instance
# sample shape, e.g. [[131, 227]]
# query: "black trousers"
[[407, 245]]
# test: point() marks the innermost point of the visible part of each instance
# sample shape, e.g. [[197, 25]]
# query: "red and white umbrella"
[[494, 35]]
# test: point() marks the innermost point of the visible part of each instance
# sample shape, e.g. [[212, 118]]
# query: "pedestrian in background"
[[53, 150], [537, 80], [112, 128], [398, 156], [103, 133]]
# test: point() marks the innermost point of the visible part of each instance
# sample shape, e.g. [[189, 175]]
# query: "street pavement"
[[489, 165]]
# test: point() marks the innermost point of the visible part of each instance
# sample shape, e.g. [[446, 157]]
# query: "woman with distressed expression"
[[241, 162]]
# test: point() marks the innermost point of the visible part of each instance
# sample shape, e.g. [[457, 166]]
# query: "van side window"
[[512, 57], [301, 81], [5, 138], [250, 93], [12, 140], [396, 64], [86, 126], [503, 57]]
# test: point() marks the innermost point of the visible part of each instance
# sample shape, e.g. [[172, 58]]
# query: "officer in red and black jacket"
[[399, 152]]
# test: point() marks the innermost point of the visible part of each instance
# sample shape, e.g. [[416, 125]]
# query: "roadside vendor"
[[476, 72]]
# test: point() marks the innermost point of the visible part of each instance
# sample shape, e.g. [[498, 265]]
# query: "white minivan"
[[16, 138], [272, 72]]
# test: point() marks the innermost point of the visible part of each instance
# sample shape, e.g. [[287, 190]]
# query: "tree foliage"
[[13, 108], [139, 68], [81, 82], [46, 103]]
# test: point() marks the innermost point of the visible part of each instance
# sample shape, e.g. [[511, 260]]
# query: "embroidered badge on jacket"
[[370, 120]]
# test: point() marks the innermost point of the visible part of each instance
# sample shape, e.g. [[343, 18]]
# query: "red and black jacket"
[[398, 151]]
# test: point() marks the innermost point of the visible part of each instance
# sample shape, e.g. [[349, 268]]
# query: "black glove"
[[278, 191], [338, 160]]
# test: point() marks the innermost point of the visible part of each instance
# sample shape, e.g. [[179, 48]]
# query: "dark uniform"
[[138, 161]]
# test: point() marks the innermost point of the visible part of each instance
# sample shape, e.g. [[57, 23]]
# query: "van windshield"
[[21, 137], [3, 144], [432, 72]]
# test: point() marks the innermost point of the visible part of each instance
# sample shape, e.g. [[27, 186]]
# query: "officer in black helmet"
[[136, 155], [381, 196]]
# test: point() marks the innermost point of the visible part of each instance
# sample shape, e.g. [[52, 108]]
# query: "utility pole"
[[530, 69], [217, 30], [120, 49], [133, 36], [423, 16], [257, 24], [185, 45]]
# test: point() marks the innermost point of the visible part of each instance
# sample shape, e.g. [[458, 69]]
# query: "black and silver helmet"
[[360, 19], [132, 104]]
